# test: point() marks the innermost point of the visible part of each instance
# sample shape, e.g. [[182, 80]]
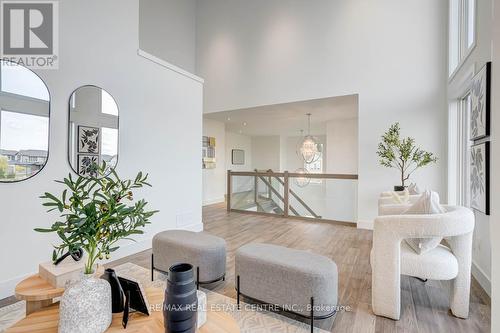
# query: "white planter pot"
[[86, 306]]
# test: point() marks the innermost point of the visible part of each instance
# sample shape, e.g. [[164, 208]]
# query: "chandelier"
[[309, 147], [303, 180]]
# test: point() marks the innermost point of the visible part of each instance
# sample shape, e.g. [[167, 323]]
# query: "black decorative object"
[[76, 255], [399, 188], [135, 298], [181, 301], [117, 295]]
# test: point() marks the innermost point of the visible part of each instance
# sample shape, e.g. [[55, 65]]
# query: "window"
[[315, 167], [19, 80], [23, 145], [462, 32], [108, 104], [461, 147]]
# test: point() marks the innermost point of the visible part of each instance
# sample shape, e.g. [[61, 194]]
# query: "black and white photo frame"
[[88, 165], [480, 177], [480, 103], [238, 157], [89, 140]]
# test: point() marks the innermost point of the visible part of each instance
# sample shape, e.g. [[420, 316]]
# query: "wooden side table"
[[47, 320], [37, 293]]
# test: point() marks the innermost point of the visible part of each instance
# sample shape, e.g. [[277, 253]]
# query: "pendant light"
[[304, 180], [309, 147]]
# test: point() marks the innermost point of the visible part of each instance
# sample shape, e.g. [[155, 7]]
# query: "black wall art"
[[88, 165], [88, 139]]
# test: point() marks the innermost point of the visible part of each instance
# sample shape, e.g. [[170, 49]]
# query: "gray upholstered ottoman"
[[207, 253], [288, 278]]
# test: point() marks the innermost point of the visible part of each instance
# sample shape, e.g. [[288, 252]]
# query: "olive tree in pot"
[[95, 213], [402, 154]]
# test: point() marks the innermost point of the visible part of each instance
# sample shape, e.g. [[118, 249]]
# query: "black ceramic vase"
[[117, 295], [399, 188], [181, 302]]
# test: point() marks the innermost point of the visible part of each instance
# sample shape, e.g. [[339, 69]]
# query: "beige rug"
[[248, 320]]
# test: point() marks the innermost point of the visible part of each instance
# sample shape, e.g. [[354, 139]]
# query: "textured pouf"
[[288, 278], [199, 249]]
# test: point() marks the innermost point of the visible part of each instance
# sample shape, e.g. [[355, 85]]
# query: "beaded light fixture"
[[309, 147]]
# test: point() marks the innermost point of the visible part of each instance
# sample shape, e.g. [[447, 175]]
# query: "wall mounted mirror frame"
[[93, 131], [24, 123]]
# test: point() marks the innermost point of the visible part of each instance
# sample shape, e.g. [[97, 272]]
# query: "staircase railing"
[[309, 209], [278, 194]]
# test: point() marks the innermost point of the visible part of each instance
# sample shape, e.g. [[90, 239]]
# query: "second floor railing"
[[331, 197]]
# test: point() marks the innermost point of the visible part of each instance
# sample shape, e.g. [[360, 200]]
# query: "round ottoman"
[[206, 252]]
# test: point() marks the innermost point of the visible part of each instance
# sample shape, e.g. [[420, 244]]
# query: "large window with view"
[[462, 32], [24, 122]]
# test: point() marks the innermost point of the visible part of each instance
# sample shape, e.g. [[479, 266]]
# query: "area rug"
[[248, 321]]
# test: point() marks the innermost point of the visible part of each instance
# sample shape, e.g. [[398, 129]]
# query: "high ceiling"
[[288, 118]]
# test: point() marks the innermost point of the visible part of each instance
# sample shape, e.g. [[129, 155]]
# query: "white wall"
[[457, 88], [342, 146], [266, 152], [495, 177], [392, 53], [243, 142], [168, 30], [159, 110], [214, 180]]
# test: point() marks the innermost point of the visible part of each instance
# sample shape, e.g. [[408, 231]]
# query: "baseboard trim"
[[7, 287], [214, 201], [368, 225], [481, 277]]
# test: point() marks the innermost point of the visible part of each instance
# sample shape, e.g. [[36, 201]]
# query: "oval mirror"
[[24, 122], [93, 131]]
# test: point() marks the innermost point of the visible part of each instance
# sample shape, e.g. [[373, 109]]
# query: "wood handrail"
[[295, 175], [263, 174]]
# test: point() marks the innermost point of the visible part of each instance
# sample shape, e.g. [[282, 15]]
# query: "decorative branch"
[[94, 214]]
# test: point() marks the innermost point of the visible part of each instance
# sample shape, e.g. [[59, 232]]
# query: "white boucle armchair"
[[391, 257]]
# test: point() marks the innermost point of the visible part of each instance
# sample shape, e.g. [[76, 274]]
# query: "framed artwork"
[[480, 177], [480, 103], [89, 139], [88, 165], [238, 157], [208, 152]]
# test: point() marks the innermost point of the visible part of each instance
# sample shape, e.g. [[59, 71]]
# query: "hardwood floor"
[[425, 306]]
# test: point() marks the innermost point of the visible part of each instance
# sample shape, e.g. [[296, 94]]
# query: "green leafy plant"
[[94, 215], [402, 154]]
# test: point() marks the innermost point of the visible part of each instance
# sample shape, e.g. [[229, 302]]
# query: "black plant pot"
[[117, 294], [399, 188], [181, 302]]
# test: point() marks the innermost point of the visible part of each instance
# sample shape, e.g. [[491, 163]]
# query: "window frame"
[[464, 51]]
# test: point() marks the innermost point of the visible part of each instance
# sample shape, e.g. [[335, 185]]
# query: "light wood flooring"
[[424, 305]]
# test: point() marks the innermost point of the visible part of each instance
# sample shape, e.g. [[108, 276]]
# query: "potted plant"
[[402, 154], [96, 213]]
